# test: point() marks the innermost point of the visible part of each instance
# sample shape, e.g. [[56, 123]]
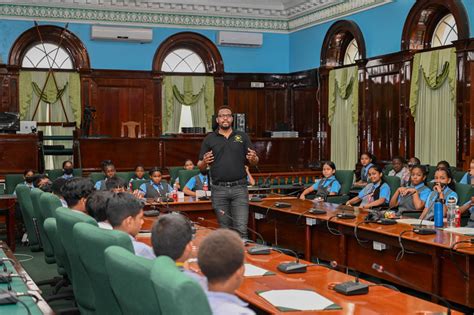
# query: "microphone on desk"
[[380, 269], [350, 287]]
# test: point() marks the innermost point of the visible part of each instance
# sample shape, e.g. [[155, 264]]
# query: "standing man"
[[226, 151]]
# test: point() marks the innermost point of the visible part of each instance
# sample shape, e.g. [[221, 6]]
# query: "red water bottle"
[[457, 217], [205, 187]]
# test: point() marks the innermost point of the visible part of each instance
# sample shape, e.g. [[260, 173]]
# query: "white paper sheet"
[[300, 300], [461, 230], [253, 271], [415, 222]]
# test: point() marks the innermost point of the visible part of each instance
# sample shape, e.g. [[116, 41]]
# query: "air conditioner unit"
[[124, 34], [240, 39]]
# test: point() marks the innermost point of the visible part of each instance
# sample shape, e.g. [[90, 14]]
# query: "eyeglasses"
[[224, 115]]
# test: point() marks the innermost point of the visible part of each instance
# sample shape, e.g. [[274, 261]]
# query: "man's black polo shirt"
[[229, 155]]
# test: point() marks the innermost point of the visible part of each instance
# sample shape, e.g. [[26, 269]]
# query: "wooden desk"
[[430, 266], [380, 300], [7, 203], [19, 152]]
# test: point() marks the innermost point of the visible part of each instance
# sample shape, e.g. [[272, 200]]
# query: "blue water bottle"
[[438, 214]]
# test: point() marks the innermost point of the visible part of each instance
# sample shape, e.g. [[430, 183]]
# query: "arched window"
[[186, 99], [343, 44], [434, 23], [47, 56]]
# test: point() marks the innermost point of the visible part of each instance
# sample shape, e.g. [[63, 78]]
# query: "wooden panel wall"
[[8, 89]]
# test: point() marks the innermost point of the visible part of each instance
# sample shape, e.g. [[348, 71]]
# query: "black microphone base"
[[346, 216], [424, 231], [204, 198], [351, 288], [386, 221], [292, 267], [280, 204], [166, 199], [317, 211], [151, 213], [259, 250], [256, 199]]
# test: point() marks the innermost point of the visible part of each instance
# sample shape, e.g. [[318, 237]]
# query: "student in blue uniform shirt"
[[328, 186], [68, 169], [108, 168], [468, 178], [443, 189], [139, 174], [156, 187], [29, 177], [221, 259], [367, 160], [413, 197], [125, 213], [172, 236], [375, 194], [196, 183]]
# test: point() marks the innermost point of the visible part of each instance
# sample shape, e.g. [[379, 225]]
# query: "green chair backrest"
[[123, 265], [45, 241], [51, 231], [96, 176], [177, 293], [465, 192], [458, 175], [387, 169], [48, 205], [91, 243], [81, 284], [23, 194], [56, 173], [11, 181], [174, 173], [184, 176], [137, 183], [393, 182], [345, 178], [431, 171], [124, 175]]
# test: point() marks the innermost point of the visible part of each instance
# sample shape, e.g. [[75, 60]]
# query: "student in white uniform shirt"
[[96, 206]]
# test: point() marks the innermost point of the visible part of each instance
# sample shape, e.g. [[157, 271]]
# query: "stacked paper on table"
[[298, 300], [254, 271], [461, 230], [416, 222]]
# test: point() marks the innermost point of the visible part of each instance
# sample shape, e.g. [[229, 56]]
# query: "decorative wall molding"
[[262, 16]]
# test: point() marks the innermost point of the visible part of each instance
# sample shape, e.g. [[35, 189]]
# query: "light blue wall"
[[272, 57]]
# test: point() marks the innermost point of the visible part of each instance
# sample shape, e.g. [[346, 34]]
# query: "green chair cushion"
[[11, 181], [56, 173], [184, 176], [23, 194], [393, 182], [51, 231], [45, 242], [465, 192], [345, 178], [137, 183]]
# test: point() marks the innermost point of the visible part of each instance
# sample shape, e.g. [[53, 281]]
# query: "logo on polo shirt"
[[238, 138]]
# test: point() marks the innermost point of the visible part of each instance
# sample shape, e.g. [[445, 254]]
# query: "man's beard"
[[224, 127]]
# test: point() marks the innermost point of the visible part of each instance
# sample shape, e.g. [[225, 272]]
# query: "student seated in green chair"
[[68, 169], [221, 259], [125, 213], [469, 206], [189, 166], [468, 178], [96, 206], [172, 236], [413, 197], [116, 184], [139, 174], [108, 168], [42, 182], [400, 170], [76, 191], [156, 187], [375, 194], [367, 160], [56, 189], [29, 177], [197, 182], [327, 186], [443, 189]]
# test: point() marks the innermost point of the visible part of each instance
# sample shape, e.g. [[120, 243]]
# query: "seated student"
[[468, 178], [443, 189], [250, 179], [156, 187], [400, 170], [116, 184], [366, 160], [196, 183], [413, 197], [413, 161], [68, 169], [188, 165], [469, 206], [172, 236], [96, 207], [221, 259], [328, 186], [76, 191], [56, 189], [29, 177], [108, 168], [375, 194], [139, 174], [125, 213], [41, 181]]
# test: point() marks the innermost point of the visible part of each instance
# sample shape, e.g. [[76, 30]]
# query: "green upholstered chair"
[[177, 293], [184, 176], [48, 205], [51, 230], [56, 173], [123, 265], [345, 178], [387, 169], [465, 192], [137, 183], [23, 194], [45, 242], [458, 175], [393, 182], [11, 181], [124, 175], [430, 175], [91, 243], [173, 171], [96, 176], [65, 220]]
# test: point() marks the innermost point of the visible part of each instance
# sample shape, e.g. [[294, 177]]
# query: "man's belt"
[[239, 182]]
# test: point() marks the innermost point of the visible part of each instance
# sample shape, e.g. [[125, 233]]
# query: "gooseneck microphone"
[[350, 287], [380, 269]]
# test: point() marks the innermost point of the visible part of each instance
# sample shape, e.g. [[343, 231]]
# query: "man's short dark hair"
[[170, 235], [96, 204], [220, 255], [57, 186], [75, 189], [114, 183], [67, 161], [121, 206]]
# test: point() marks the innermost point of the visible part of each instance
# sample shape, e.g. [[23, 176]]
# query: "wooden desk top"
[[379, 300], [299, 207]]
